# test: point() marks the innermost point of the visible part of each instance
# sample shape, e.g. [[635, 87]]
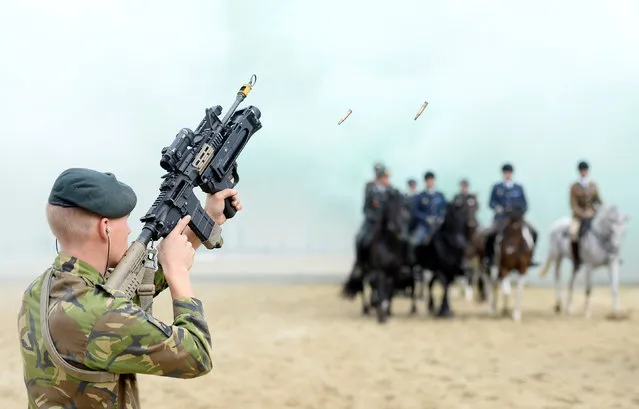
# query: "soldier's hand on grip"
[[216, 203]]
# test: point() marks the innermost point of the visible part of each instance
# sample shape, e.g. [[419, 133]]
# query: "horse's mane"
[[606, 216]]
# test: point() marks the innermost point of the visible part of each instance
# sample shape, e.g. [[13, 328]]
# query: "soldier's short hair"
[[71, 224]]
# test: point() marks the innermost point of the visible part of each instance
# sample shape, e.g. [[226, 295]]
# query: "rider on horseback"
[[465, 196], [412, 188], [505, 197], [375, 195], [376, 167], [584, 198], [429, 209]]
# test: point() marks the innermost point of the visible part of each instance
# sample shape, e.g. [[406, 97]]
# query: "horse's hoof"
[[381, 317], [445, 314], [505, 312], [516, 316], [558, 308], [365, 311], [413, 310]]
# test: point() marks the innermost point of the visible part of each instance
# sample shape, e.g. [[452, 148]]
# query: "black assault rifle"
[[204, 158]]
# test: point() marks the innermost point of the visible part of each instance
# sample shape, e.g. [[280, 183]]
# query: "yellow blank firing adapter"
[[246, 88]]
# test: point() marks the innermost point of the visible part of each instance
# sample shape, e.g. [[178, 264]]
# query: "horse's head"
[[457, 219], [610, 226], [394, 217], [515, 215], [469, 205]]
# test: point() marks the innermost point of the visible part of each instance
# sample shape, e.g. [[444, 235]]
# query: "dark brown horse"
[[514, 247]]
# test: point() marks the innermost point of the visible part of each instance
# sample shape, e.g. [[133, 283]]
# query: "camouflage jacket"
[[93, 327]]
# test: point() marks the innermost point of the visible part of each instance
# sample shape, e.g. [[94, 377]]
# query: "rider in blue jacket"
[[429, 209], [505, 197]]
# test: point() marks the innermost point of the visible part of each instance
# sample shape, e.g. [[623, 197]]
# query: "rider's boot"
[[575, 255]]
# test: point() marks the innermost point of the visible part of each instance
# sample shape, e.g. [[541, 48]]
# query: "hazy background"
[[107, 85]]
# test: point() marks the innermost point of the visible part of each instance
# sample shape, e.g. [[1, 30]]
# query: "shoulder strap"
[[56, 358]]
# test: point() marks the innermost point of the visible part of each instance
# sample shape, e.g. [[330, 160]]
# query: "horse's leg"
[[588, 288], [488, 288], [571, 286], [495, 290], [467, 283], [558, 286], [413, 298], [521, 279], [382, 297], [444, 309], [365, 303], [391, 292], [431, 303], [420, 274], [614, 286], [482, 288], [506, 290]]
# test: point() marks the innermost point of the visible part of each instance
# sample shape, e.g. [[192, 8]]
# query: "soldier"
[[412, 188], [429, 210], [104, 337], [375, 195], [376, 167], [584, 201], [464, 195], [504, 197]]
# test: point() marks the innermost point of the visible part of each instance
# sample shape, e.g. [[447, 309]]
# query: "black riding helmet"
[[507, 168], [582, 165], [429, 175]]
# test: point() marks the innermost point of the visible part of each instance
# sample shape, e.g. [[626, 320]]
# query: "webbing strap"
[[56, 358]]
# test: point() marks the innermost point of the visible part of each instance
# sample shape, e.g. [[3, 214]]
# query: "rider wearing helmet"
[[505, 197], [584, 201]]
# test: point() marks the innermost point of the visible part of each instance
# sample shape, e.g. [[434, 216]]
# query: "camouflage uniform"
[[93, 327], [98, 330]]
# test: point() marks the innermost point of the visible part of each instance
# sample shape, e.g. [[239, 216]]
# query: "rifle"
[[204, 158]]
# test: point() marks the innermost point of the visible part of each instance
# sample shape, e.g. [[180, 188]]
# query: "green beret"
[[97, 192]]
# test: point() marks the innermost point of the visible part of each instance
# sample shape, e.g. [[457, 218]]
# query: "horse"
[[470, 205], [444, 255], [380, 266], [599, 246], [513, 252]]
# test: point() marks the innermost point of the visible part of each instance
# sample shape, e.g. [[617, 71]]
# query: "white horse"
[[598, 247]]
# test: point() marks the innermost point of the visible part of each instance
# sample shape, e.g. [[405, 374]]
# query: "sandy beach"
[[301, 346]]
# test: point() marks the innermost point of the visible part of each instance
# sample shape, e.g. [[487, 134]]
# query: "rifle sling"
[[56, 358]]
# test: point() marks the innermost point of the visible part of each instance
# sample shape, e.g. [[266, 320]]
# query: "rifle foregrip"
[[229, 210]]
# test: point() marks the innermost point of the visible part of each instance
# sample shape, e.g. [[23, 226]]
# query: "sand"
[[300, 346]]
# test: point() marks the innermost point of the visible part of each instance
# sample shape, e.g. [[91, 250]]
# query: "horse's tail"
[[549, 261], [554, 252], [354, 284]]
